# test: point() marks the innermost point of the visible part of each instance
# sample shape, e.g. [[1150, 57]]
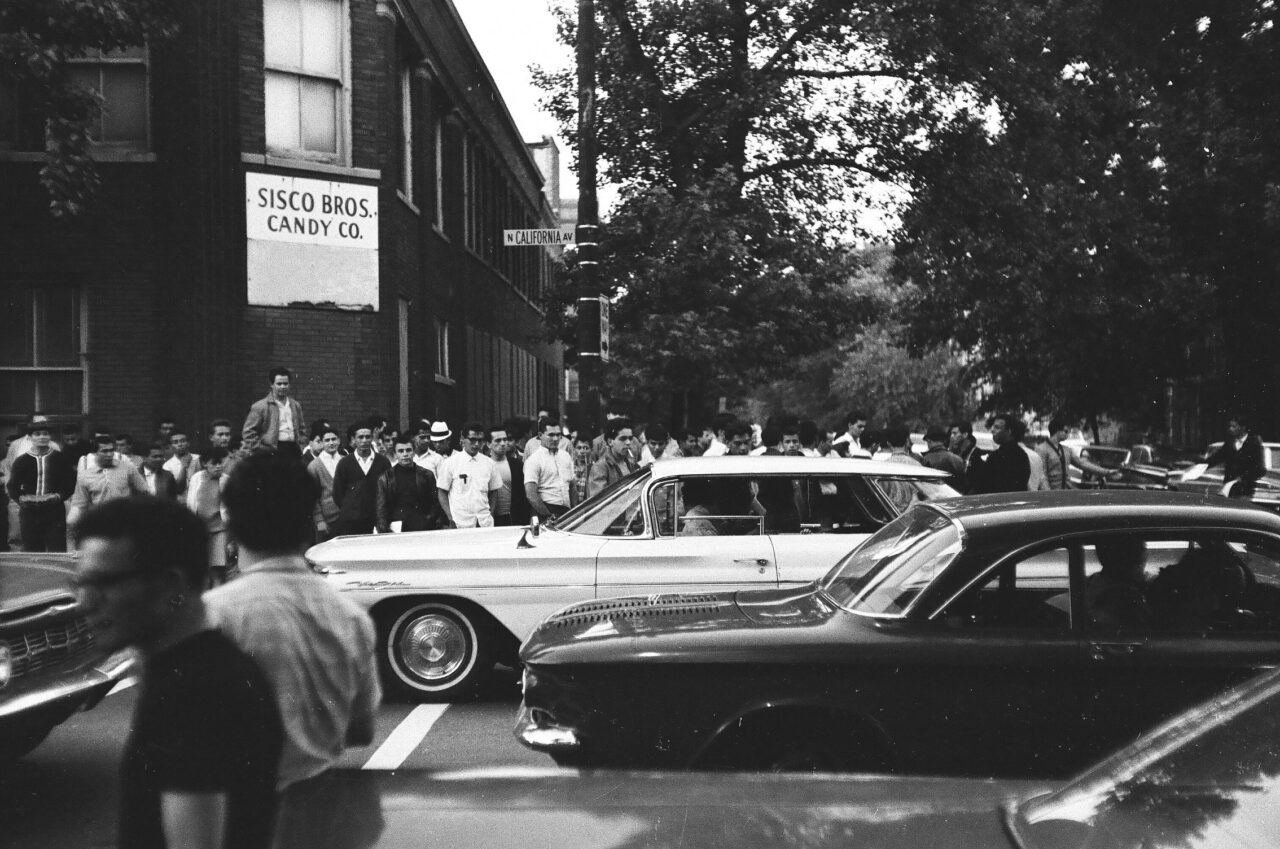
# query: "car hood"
[[604, 810], [32, 581], [377, 550], [679, 625]]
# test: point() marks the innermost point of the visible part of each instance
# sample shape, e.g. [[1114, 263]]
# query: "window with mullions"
[[41, 364], [305, 49], [119, 77]]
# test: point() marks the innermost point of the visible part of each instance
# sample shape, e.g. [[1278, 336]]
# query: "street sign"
[[536, 238]]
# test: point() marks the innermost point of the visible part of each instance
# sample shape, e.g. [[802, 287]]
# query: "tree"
[[871, 368], [742, 134], [37, 37], [1104, 202]]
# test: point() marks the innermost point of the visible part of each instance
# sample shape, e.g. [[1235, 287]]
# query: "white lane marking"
[[406, 737], [122, 685]]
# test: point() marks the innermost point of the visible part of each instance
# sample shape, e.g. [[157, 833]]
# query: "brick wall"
[[333, 354]]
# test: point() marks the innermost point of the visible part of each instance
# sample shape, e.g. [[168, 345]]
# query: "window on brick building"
[[305, 49], [119, 77], [442, 350], [438, 220], [406, 132], [41, 352]]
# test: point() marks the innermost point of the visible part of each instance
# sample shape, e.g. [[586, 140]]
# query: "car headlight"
[[6, 665]]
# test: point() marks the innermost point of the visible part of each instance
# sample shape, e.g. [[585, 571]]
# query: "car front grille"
[[39, 648], [679, 604]]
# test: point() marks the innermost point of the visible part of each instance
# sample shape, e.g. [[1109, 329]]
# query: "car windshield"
[[903, 492], [1211, 777], [614, 511], [885, 574]]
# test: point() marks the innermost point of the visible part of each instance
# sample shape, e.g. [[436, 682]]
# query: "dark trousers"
[[351, 527], [43, 526], [502, 521]]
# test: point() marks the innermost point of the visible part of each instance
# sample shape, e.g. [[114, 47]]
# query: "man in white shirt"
[[857, 423], [468, 482], [719, 445], [183, 465], [548, 473]]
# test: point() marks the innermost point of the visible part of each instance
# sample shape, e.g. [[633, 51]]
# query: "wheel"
[[435, 652]]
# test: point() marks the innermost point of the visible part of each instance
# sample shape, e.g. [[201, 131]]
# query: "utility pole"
[[587, 233]]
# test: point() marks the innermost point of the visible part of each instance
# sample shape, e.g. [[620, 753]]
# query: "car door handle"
[[758, 562], [1105, 651]]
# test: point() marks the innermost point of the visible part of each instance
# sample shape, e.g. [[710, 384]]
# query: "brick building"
[[320, 184]]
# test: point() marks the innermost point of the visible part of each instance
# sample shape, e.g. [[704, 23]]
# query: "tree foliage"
[[1104, 204], [37, 37], [872, 369], [742, 133]]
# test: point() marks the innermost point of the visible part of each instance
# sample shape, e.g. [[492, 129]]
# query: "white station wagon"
[[449, 604]]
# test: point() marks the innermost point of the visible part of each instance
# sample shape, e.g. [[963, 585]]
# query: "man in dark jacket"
[[513, 503], [1006, 469], [41, 481], [1242, 457], [355, 483], [407, 494]]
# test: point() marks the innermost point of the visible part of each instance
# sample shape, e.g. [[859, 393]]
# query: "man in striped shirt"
[[41, 480]]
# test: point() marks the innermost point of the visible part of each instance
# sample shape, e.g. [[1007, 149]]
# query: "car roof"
[[1067, 511], [773, 464]]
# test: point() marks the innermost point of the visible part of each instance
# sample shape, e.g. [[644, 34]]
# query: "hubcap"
[[433, 647]]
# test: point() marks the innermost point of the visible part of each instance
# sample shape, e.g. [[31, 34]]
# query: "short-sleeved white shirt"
[[468, 480], [317, 649], [553, 473]]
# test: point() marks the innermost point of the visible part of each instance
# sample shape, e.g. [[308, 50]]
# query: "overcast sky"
[[511, 35]]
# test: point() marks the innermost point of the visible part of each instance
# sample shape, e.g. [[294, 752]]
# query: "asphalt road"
[[64, 793]]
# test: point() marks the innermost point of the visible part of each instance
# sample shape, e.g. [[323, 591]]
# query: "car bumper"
[[80, 690], [534, 730]]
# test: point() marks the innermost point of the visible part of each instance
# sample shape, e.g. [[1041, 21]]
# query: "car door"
[[1000, 686], [834, 514], [712, 542], [1213, 620]]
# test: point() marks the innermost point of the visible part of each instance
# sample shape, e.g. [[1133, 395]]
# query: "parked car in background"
[[970, 636], [49, 665], [448, 604], [1139, 466], [1206, 479]]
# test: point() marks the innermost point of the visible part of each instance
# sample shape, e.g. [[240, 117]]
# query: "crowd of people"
[[376, 478]]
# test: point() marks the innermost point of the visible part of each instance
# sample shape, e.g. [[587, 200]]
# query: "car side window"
[[1032, 592], [1193, 583], [838, 505], [718, 506], [665, 506]]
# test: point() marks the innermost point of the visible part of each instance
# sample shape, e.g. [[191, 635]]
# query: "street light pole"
[[587, 233]]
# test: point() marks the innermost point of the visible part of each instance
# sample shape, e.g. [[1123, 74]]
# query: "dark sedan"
[[1018, 635], [49, 665], [1208, 779]]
